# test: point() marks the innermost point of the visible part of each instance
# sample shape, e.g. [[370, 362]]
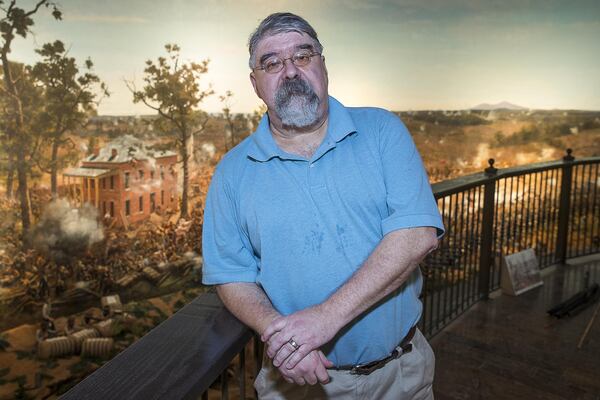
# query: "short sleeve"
[[409, 198], [225, 250]]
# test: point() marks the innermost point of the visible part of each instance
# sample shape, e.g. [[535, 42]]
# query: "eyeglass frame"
[[283, 60]]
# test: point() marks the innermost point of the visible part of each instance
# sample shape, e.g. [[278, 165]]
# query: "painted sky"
[[400, 55]]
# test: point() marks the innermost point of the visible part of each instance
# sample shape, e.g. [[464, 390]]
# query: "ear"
[[253, 81]]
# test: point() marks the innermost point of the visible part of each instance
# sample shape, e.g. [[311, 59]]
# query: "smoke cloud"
[[64, 232]]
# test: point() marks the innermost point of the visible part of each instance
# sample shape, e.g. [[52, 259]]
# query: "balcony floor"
[[510, 348]]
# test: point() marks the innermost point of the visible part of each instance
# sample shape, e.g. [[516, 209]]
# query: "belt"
[[404, 347]]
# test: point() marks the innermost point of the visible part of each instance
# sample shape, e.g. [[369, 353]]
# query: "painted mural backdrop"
[[106, 153]]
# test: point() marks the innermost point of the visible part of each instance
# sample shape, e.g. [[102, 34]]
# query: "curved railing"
[[552, 207]]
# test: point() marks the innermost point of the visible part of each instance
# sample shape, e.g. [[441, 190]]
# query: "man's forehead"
[[283, 42]]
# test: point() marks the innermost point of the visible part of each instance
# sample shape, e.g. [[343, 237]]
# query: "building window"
[[127, 207], [162, 197], [112, 209], [103, 208], [141, 206], [85, 183], [152, 202], [141, 174], [162, 172], [103, 183], [152, 174], [93, 183], [112, 182], [172, 169]]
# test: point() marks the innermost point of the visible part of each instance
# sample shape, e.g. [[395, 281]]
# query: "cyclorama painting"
[[106, 156]]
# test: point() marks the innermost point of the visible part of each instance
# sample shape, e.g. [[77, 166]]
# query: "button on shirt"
[[301, 227]]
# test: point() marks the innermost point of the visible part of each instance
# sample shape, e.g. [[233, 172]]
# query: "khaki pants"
[[409, 377]]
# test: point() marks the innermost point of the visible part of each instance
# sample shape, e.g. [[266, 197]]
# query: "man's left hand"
[[308, 328]]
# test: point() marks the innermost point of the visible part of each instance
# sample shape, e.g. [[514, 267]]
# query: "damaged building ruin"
[[125, 181]]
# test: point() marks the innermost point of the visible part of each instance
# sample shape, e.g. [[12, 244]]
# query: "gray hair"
[[281, 23]]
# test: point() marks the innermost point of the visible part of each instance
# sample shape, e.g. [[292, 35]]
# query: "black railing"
[[552, 207]]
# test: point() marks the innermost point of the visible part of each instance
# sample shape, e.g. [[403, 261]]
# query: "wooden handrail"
[[178, 359]]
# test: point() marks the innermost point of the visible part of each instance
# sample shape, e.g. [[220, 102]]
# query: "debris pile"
[[78, 263], [95, 339]]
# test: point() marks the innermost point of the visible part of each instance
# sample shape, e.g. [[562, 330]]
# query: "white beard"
[[296, 104]]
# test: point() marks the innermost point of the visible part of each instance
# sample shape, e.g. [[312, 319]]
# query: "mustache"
[[291, 87]]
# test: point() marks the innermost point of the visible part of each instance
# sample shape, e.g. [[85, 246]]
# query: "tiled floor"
[[510, 348]]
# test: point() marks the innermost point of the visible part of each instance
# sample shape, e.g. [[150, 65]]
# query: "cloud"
[[107, 19]]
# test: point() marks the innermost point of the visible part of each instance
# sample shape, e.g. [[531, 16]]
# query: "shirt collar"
[[262, 146]]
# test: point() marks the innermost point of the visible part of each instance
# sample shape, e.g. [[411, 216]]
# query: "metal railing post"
[[564, 209], [487, 231]]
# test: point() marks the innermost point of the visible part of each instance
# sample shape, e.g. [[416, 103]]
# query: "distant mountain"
[[505, 105]]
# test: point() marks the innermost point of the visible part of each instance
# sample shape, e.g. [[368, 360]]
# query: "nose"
[[289, 69]]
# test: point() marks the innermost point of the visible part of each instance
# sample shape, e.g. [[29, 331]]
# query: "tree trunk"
[[10, 176], [185, 161], [23, 189], [54, 169], [19, 136]]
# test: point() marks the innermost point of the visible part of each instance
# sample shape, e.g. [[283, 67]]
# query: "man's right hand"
[[249, 303], [311, 369]]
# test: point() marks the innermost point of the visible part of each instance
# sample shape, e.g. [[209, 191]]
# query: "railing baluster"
[[527, 220], [543, 218], [576, 216], [224, 385], [548, 227], [588, 217], [456, 281], [577, 220], [448, 283], [595, 235], [495, 273], [533, 240], [533, 237], [553, 216], [503, 222], [242, 374], [485, 259], [257, 350], [521, 213], [437, 272], [470, 238], [477, 254], [564, 208]]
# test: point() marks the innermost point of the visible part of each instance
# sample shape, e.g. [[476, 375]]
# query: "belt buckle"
[[364, 369]]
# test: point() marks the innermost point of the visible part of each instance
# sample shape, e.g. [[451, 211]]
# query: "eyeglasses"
[[273, 65]]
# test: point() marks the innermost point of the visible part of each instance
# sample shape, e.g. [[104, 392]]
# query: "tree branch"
[[36, 8]]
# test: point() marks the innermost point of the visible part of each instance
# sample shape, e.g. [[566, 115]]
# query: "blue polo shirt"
[[301, 227]]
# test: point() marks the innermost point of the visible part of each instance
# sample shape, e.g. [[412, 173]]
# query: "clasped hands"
[[293, 343]]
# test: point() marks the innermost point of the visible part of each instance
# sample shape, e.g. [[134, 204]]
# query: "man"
[[313, 230]]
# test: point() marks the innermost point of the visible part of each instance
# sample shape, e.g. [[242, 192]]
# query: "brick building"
[[125, 181]]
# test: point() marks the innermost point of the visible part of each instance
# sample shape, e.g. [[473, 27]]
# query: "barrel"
[[97, 347], [56, 347], [81, 335]]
